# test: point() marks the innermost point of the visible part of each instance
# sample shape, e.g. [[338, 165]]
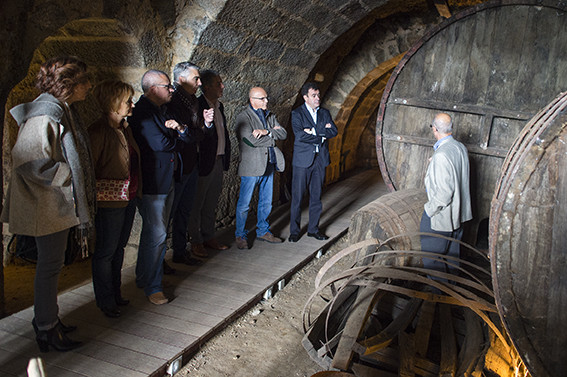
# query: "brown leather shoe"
[[158, 298], [269, 237], [242, 243], [215, 245], [198, 250]]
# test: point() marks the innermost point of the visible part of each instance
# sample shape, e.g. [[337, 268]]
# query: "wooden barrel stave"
[[527, 242], [390, 215]]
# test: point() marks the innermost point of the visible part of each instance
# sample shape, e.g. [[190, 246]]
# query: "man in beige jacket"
[[449, 199]]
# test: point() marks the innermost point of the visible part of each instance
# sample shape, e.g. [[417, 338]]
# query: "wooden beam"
[[448, 367], [442, 8], [365, 301], [423, 329]]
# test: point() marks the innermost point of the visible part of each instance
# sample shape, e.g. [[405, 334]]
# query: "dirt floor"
[[18, 282], [264, 342]]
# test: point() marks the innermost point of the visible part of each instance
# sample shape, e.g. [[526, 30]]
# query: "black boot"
[[55, 338], [66, 329]]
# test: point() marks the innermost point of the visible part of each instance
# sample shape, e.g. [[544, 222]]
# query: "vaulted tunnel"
[[350, 47]]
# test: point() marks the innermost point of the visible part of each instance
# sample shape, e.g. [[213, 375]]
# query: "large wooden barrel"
[[528, 241], [492, 67], [390, 215]]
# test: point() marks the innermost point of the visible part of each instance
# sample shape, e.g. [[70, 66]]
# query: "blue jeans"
[[182, 205], [265, 193], [155, 211], [113, 227]]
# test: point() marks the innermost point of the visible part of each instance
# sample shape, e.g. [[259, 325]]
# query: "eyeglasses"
[[260, 98], [168, 86]]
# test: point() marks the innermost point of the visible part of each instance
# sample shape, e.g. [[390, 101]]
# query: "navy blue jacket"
[[305, 145], [159, 146]]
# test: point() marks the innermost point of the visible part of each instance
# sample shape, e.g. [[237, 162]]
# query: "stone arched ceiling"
[[278, 43]]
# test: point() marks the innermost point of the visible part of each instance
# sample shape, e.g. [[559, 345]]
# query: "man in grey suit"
[[257, 130], [449, 199]]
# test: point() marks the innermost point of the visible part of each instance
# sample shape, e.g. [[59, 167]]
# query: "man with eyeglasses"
[[160, 139], [257, 130], [312, 127], [448, 194]]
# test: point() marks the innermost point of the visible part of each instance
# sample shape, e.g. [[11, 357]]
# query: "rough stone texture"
[[297, 57], [266, 49], [222, 38]]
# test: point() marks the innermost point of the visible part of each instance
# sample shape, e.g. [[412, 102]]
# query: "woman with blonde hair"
[[51, 187], [116, 160]]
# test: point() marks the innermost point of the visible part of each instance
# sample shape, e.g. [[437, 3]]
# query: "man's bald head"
[[443, 123], [258, 98]]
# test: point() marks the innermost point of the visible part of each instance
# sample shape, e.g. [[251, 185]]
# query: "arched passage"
[[354, 116]]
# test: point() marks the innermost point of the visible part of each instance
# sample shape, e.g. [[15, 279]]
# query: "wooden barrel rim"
[[521, 163], [529, 135], [413, 50]]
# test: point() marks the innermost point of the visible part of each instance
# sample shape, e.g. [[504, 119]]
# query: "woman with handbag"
[[116, 159], [51, 187]]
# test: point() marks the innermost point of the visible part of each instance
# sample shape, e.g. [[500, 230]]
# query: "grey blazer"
[[253, 157], [447, 185]]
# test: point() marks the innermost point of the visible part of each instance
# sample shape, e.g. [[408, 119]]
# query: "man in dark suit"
[[214, 159], [184, 106], [160, 139], [312, 127]]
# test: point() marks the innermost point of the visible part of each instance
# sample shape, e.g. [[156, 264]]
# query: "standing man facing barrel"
[[449, 199]]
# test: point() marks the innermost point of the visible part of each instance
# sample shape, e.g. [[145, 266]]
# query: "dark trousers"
[[440, 246], [113, 227], [183, 199], [303, 179], [50, 258]]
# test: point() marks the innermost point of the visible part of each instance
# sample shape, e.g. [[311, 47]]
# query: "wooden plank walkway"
[[147, 338]]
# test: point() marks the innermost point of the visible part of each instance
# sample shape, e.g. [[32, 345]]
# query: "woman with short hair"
[[116, 158], [51, 187]]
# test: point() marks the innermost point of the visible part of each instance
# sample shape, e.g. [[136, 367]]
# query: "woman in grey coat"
[[52, 186]]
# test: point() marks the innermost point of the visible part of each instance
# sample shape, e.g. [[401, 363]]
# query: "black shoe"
[[293, 238], [167, 269], [318, 236], [184, 259], [111, 312], [121, 301], [55, 338], [66, 329]]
